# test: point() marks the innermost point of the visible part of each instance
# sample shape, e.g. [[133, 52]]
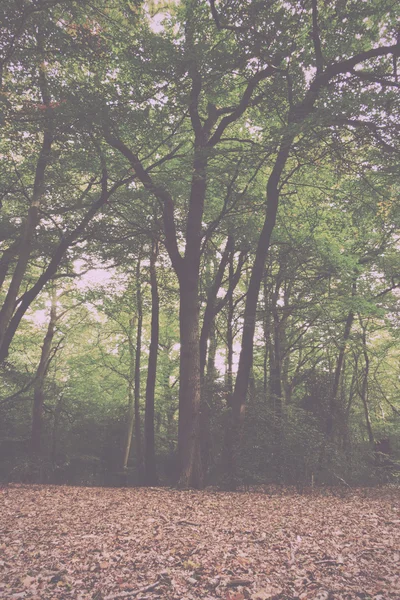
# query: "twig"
[[183, 522], [147, 588], [327, 561], [342, 480], [236, 582]]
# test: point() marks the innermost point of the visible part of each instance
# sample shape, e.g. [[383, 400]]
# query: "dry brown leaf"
[[59, 543]]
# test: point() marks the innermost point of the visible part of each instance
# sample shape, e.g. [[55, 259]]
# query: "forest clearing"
[[199, 299], [147, 543]]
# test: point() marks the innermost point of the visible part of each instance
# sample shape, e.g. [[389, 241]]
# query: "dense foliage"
[[200, 263]]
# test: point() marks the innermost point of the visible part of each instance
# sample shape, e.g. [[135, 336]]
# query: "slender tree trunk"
[[208, 335], [38, 389], [284, 349], [54, 433], [5, 261], [333, 407], [149, 444], [131, 396], [267, 339], [138, 428], [333, 404], [206, 404], [230, 338], [364, 385], [211, 307], [246, 355], [28, 297], [275, 362], [25, 243], [276, 385], [133, 420]]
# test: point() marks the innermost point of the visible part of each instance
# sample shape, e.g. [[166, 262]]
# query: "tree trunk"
[[54, 433], [191, 472], [246, 354], [131, 397], [25, 244], [206, 402], [5, 261], [230, 338], [275, 359], [28, 297], [38, 390], [267, 339], [189, 434], [333, 404], [133, 420], [149, 444], [211, 307], [364, 385], [138, 429], [28, 231]]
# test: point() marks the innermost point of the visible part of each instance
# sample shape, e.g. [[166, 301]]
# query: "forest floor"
[[147, 543]]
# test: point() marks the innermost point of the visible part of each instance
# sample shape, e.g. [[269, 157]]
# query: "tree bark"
[[131, 396], [38, 389], [333, 403], [54, 432], [191, 472], [149, 442], [211, 308], [5, 261], [267, 338], [234, 431], [364, 385], [230, 337], [275, 358], [25, 244], [138, 429], [28, 297], [133, 418], [28, 231]]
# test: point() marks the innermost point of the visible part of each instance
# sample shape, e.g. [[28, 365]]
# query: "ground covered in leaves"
[[106, 544]]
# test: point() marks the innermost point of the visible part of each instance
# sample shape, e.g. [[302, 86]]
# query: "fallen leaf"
[[267, 593]]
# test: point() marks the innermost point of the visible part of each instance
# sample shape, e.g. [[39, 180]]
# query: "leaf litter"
[[148, 543]]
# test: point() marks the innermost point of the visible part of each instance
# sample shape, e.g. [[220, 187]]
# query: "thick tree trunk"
[[38, 389], [149, 443], [189, 434], [191, 471]]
